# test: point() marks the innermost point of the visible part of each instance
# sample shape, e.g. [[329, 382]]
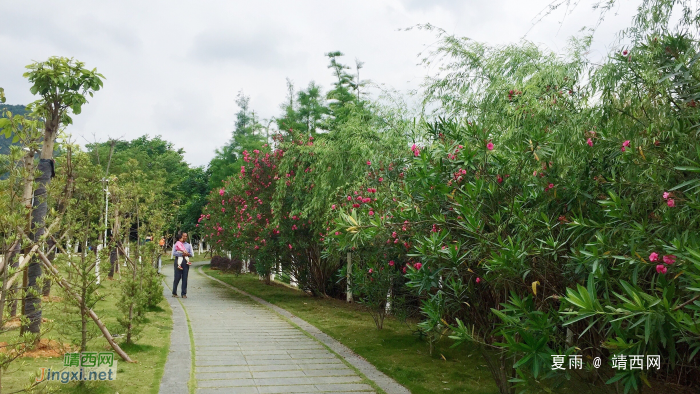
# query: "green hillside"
[[16, 110]]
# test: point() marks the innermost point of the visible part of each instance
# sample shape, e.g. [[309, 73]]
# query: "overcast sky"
[[173, 68]]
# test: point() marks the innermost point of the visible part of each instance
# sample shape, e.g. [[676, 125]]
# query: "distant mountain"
[[16, 110]]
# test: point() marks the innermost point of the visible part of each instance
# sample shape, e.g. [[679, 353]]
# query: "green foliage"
[[305, 111], [63, 84], [372, 285], [74, 323], [152, 284], [534, 210], [547, 206], [80, 221], [132, 306], [161, 170], [245, 137]]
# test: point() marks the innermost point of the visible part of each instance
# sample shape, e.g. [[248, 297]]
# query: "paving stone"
[[307, 388], [222, 368], [259, 357], [334, 388], [229, 390], [279, 381], [223, 375], [329, 372], [279, 374], [335, 379], [308, 367], [226, 383]]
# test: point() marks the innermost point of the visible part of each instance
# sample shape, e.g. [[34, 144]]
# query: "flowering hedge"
[[551, 209], [550, 224]]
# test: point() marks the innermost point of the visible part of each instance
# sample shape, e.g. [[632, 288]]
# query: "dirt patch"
[[51, 299], [15, 323], [44, 349]]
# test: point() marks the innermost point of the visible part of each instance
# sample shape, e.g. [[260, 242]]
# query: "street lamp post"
[[104, 239]]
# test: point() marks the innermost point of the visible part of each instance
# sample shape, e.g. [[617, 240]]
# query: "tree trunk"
[[348, 278], [83, 318], [32, 301], [113, 260], [13, 290], [5, 290], [500, 370], [51, 243]]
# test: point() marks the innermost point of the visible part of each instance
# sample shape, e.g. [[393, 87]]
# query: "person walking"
[[181, 274]]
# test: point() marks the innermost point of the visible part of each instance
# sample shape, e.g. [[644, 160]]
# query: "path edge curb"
[[387, 384], [190, 383]]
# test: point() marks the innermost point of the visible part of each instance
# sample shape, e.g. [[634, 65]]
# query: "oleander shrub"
[[553, 211]]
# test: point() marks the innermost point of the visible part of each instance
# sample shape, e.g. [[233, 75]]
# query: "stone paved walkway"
[[242, 346]]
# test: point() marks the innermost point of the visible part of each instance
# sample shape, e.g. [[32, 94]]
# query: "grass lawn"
[[393, 350], [150, 350]]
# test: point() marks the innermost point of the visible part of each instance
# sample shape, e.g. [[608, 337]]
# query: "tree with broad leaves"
[[63, 85]]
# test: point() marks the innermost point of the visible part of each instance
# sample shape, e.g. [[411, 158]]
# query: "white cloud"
[[174, 67]]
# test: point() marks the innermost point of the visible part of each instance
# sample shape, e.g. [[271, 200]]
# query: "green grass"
[[150, 350], [394, 350]]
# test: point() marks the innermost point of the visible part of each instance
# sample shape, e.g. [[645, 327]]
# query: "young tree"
[[245, 137], [341, 96], [63, 85]]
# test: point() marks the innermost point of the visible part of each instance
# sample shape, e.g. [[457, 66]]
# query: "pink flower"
[[478, 280], [381, 179], [589, 142], [667, 195], [670, 203], [499, 179], [623, 149], [349, 198], [290, 246], [333, 206], [337, 233], [223, 209], [626, 143], [654, 257], [369, 163], [417, 266], [416, 151], [371, 213], [489, 146], [221, 192], [391, 263], [404, 270], [669, 259], [370, 271], [661, 269]]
